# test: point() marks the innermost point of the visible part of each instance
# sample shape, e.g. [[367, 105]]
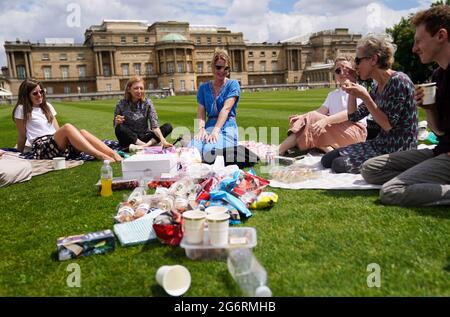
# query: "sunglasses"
[[41, 92], [359, 59], [225, 68], [338, 71]]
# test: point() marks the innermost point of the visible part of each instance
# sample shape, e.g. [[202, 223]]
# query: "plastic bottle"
[[248, 273], [106, 176]]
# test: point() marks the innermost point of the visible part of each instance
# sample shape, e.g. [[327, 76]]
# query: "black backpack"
[[239, 155]]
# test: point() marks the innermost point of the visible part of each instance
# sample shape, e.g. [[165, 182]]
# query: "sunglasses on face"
[[41, 92], [225, 68], [338, 71], [359, 59]]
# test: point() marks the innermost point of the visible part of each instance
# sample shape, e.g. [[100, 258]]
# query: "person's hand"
[[201, 135], [349, 73], [120, 119], [214, 136], [165, 144], [356, 90], [293, 118], [319, 127]]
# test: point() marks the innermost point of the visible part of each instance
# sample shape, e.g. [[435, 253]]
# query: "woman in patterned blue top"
[[218, 99], [390, 100]]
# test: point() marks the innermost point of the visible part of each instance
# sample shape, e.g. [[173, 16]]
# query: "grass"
[[312, 243]]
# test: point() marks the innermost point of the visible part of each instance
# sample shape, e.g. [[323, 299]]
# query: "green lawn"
[[312, 243]]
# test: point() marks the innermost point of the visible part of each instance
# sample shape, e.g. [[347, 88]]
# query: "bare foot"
[[117, 157]]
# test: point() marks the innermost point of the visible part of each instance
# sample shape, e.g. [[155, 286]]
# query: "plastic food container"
[[239, 237]]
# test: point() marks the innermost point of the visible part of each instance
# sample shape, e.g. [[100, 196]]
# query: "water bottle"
[[106, 176], [248, 273]]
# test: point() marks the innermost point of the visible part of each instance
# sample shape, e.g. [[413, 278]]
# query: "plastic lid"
[[263, 291]]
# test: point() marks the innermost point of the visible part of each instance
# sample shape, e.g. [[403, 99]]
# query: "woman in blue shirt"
[[218, 99]]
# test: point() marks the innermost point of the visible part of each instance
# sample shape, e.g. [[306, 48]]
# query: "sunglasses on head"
[[225, 68], [41, 92], [359, 59]]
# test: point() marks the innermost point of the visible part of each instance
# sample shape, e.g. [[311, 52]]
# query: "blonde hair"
[[342, 58], [380, 45], [131, 82], [220, 53]]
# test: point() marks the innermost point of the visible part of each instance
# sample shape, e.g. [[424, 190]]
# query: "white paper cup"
[[193, 226], [216, 210], [429, 91], [59, 163], [218, 225], [175, 279]]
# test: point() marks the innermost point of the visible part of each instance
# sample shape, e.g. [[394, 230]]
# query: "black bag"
[[239, 155]]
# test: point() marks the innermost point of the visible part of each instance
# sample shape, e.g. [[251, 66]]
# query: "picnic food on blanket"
[[294, 174], [168, 228]]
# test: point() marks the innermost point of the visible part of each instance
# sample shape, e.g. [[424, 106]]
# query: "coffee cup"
[[429, 93], [218, 226], [193, 226], [216, 210], [59, 163], [175, 279]]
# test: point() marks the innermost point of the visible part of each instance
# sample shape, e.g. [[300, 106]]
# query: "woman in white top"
[[35, 120], [328, 127]]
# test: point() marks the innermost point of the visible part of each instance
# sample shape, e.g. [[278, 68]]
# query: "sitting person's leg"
[[69, 134], [380, 169], [100, 146], [423, 184], [150, 138], [125, 136], [327, 159]]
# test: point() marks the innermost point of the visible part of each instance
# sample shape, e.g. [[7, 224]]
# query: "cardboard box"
[[149, 165], [72, 247]]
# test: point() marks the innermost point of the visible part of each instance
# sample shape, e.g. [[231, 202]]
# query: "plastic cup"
[[429, 91], [175, 279], [59, 163], [216, 210], [218, 225], [193, 226]]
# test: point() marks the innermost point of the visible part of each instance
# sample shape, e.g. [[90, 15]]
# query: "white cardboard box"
[[149, 165]]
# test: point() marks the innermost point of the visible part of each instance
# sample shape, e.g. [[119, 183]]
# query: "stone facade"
[[169, 55]]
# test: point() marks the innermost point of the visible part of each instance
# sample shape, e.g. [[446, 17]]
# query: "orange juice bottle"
[[106, 176]]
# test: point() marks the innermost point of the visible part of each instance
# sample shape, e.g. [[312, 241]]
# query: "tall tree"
[[405, 60]]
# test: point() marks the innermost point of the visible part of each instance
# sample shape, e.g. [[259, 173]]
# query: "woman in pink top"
[[328, 127]]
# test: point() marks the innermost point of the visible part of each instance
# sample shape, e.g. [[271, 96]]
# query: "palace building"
[[169, 55]]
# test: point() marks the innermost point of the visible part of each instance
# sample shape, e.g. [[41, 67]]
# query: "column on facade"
[[242, 61], [10, 69], [185, 60], [175, 60], [97, 72], [165, 61], [288, 59], [13, 64], [232, 61], [30, 64], [157, 70], [101, 62], [27, 69], [111, 59], [299, 56]]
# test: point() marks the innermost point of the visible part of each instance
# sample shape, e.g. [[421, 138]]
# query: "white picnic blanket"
[[326, 179]]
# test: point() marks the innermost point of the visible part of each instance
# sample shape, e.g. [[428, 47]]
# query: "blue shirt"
[[213, 106]]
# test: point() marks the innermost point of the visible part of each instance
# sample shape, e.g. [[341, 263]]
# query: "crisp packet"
[[264, 201]]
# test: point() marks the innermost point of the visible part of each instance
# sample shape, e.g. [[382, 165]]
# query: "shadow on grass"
[[441, 212], [447, 268]]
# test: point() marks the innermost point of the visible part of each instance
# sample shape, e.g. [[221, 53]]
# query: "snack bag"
[[265, 201]]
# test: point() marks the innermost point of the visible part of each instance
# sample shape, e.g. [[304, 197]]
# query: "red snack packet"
[[169, 234]]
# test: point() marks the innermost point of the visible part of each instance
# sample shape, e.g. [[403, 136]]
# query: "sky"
[[259, 20]]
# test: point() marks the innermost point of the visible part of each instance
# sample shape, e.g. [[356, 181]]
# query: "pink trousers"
[[335, 135]]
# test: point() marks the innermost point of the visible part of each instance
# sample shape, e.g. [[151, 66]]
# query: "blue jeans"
[[228, 136]]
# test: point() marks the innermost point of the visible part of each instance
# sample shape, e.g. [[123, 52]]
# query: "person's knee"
[[392, 194], [167, 127], [339, 166], [68, 126], [369, 171]]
